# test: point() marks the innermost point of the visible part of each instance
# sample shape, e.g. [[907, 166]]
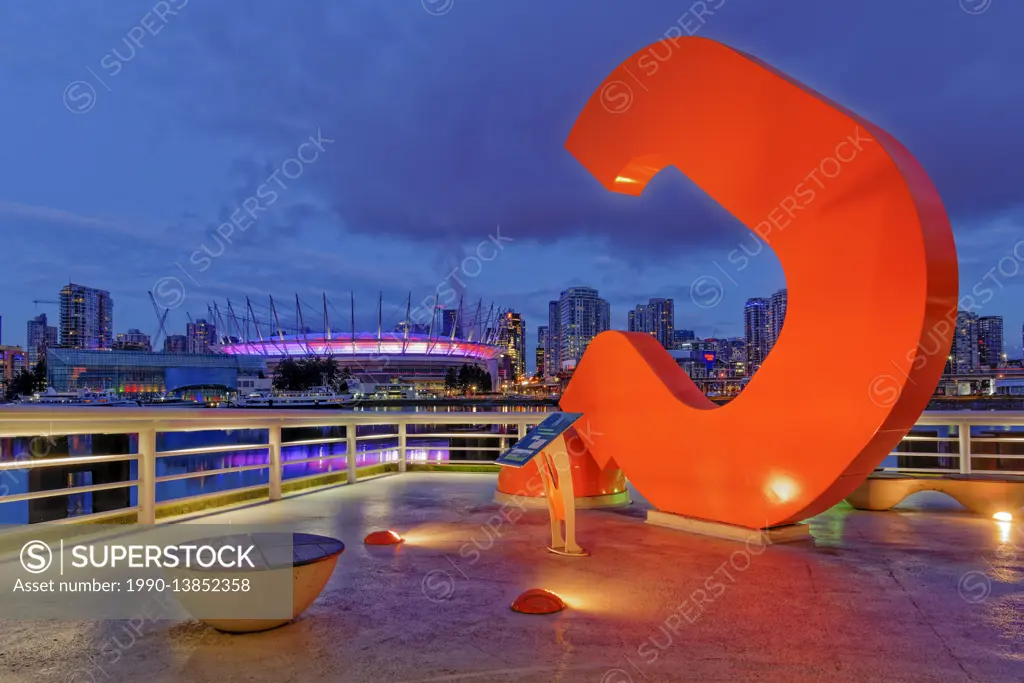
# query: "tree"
[[287, 375], [306, 373], [39, 375], [451, 381], [473, 376], [20, 385], [484, 381], [465, 379], [26, 383]]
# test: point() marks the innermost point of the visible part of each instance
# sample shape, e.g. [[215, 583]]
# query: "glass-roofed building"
[[139, 372]]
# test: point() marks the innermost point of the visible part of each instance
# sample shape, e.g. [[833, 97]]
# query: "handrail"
[[50, 421], [47, 421]]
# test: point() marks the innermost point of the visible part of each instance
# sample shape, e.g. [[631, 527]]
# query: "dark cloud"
[[445, 127], [451, 124]]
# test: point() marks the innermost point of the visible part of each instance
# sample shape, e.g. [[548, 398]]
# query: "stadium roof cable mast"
[[302, 325], [327, 327], [255, 324], [411, 353], [455, 324], [380, 318], [408, 312], [476, 318]]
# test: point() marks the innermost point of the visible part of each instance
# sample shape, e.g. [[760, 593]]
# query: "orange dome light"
[[538, 601], [387, 537]]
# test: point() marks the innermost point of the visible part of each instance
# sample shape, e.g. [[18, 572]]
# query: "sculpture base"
[[566, 553], [612, 500], [782, 534]]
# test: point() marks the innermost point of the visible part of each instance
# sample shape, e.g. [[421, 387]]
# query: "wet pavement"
[[925, 593]]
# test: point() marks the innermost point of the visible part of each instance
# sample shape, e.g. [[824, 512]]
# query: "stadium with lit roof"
[[418, 352]]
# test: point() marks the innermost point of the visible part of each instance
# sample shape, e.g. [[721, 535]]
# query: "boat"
[[317, 397], [171, 401], [392, 391], [81, 397]]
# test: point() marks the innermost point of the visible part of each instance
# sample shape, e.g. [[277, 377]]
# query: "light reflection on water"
[[324, 459]]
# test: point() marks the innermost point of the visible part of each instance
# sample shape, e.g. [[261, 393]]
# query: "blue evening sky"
[[445, 119]]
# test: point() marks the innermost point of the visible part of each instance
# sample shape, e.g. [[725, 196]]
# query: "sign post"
[[548, 441]]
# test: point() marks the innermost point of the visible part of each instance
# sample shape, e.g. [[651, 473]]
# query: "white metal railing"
[[404, 429], [45, 423], [964, 454]]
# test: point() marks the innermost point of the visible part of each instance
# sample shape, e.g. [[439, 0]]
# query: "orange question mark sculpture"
[[870, 266]]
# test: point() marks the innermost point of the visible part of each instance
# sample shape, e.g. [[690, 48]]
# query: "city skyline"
[[980, 341], [131, 193]]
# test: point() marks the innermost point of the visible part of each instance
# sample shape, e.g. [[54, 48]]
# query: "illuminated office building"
[[133, 340], [990, 341], [657, 318], [40, 336], [176, 343], [86, 318], [583, 314], [679, 337], [552, 343], [512, 339], [200, 335], [13, 360], [542, 345], [776, 316], [757, 332], [963, 356]]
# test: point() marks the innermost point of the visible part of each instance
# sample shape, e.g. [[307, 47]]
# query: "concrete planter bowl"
[[291, 572]]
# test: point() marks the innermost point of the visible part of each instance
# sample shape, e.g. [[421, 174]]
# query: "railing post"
[[275, 462], [964, 431], [522, 432], [401, 447], [147, 476], [350, 453]]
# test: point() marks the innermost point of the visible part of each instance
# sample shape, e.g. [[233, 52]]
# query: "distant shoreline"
[[420, 402]]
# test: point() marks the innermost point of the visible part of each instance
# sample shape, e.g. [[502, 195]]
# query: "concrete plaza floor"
[[903, 596]]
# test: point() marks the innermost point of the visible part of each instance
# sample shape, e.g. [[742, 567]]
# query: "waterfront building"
[[139, 372], [86, 318], [133, 340], [990, 341], [964, 356], [583, 314], [757, 331], [776, 316], [201, 336], [40, 336]]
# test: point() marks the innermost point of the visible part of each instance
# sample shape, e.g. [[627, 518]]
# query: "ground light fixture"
[[538, 601], [1003, 517], [386, 537]]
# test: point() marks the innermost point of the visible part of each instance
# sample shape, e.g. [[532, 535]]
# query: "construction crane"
[[44, 301], [161, 317]]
